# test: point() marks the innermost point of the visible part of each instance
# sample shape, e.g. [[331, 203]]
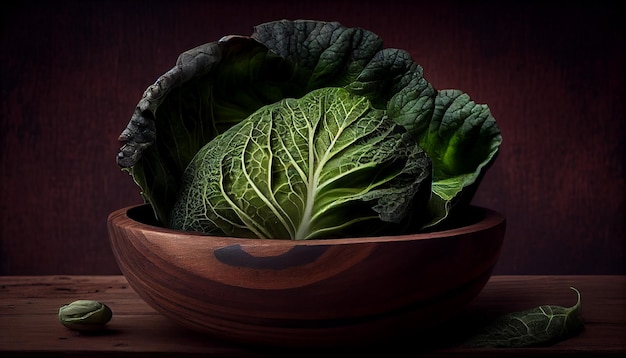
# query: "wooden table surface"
[[29, 324]]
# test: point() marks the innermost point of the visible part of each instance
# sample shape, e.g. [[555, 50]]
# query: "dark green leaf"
[[540, 326], [462, 139]]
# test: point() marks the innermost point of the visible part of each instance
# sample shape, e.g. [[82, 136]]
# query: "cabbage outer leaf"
[[462, 140], [316, 167]]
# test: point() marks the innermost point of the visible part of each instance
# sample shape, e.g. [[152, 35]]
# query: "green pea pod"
[[85, 315], [539, 326]]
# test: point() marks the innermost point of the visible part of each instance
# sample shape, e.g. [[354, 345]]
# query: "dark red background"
[[552, 74]]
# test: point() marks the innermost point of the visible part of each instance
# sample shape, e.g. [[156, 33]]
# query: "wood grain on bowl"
[[315, 292]]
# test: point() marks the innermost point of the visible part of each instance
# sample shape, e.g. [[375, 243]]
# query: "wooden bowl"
[[306, 293]]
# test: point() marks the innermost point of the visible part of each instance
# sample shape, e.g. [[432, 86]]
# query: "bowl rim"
[[488, 219]]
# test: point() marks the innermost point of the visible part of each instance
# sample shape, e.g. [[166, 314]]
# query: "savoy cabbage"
[[305, 129]]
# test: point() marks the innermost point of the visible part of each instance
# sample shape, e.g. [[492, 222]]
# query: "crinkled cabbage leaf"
[[462, 140], [325, 165], [220, 84]]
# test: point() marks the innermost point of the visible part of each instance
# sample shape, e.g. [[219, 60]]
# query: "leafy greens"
[[199, 120], [304, 168], [539, 326]]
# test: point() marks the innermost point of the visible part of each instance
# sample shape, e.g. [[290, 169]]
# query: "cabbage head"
[[324, 165], [305, 129]]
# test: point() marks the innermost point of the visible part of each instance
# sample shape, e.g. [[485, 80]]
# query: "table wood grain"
[[29, 326]]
